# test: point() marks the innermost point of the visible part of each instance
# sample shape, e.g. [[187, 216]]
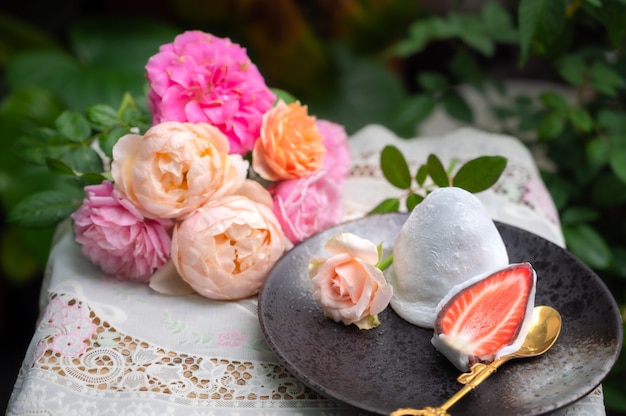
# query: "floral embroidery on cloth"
[[81, 351], [71, 327]]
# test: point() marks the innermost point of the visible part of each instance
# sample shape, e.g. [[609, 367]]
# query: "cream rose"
[[348, 285], [175, 168], [226, 248]]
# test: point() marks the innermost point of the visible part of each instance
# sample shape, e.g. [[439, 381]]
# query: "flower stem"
[[386, 262]]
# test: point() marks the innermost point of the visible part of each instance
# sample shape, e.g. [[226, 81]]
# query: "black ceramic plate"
[[395, 365]]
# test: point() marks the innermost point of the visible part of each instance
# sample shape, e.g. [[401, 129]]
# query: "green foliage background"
[[392, 62]]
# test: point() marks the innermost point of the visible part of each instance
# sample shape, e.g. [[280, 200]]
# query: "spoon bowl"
[[544, 330], [543, 333]]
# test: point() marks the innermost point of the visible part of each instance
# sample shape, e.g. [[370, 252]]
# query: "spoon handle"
[[477, 374]]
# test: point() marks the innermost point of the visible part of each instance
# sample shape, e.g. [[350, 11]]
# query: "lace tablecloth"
[[107, 347]]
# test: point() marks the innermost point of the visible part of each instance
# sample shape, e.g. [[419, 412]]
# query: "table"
[[108, 347]]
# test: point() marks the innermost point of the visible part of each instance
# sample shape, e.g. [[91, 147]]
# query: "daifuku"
[[447, 239]]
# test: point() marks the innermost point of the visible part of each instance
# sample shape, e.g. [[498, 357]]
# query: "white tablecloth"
[[107, 347]]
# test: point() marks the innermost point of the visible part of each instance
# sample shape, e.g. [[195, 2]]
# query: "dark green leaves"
[[436, 171], [102, 116], [73, 150], [44, 209], [480, 32], [540, 21], [475, 175], [395, 168], [103, 65], [480, 174], [73, 126]]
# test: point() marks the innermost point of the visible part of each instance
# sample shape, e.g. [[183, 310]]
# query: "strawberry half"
[[486, 317]]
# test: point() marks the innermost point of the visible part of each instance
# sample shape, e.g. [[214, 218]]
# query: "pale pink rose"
[[116, 237], [203, 78], [308, 205], [226, 248], [337, 157], [348, 285], [175, 168]]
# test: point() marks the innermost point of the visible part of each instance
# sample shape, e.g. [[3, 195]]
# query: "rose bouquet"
[[222, 180]]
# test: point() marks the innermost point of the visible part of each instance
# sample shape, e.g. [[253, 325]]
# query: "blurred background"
[[355, 62]]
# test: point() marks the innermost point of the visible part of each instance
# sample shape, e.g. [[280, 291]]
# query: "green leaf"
[[388, 205], [42, 143], [605, 79], [479, 174], [31, 107], [612, 120], [85, 159], [573, 69], [412, 112], [436, 171], [420, 34], [73, 126], [581, 119], [432, 81], [456, 106], [108, 138], [283, 95], [395, 168], [498, 22], [59, 167], [412, 200], [44, 209], [588, 245], [479, 41], [539, 22], [617, 159], [132, 116], [554, 101], [576, 215], [597, 152], [421, 175], [93, 177], [466, 68], [102, 116], [607, 191], [551, 125]]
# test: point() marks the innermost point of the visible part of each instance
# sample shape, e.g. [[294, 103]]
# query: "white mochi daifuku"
[[447, 239]]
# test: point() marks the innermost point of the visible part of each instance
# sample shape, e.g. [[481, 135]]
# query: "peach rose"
[[348, 285], [290, 145], [175, 168], [225, 249]]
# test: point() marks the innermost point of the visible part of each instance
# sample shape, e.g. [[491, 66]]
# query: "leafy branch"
[[79, 147], [474, 176]]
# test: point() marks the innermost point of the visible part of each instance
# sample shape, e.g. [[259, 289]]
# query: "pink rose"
[[226, 248], [116, 237], [175, 168], [203, 78], [308, 205], [348, 285], [337, 157]]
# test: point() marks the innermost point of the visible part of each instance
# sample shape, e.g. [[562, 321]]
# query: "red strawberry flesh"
[[485, 315]]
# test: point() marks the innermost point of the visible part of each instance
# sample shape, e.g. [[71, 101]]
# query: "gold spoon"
[[543, 332]]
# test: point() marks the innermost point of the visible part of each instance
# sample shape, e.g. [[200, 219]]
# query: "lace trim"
[[81, 351]]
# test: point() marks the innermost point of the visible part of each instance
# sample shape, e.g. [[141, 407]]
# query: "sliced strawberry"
[[486, 317]]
